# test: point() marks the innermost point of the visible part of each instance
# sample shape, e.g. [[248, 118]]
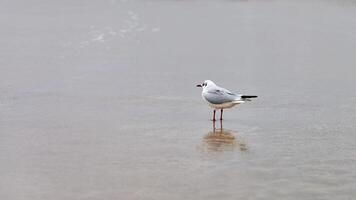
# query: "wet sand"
[[98, 100]]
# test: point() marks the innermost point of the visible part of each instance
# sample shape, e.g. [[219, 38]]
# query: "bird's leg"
[[214, 127], [221, 113], [214, 115]]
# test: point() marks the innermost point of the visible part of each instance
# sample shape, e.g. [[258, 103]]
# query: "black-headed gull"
[[221, 98]]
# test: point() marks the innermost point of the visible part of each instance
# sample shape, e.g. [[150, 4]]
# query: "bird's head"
[[206, 83]]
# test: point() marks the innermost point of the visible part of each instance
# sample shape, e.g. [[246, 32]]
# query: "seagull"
[[221, 98]]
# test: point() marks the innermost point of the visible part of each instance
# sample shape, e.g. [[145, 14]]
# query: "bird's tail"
[[248, 97]]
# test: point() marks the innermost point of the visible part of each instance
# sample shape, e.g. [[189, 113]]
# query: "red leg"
[[221, 113], [214, 127], [214, 115]]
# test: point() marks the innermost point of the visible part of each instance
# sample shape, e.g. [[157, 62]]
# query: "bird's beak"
[[199, 85]]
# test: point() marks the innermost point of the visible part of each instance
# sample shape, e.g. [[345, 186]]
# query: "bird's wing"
[[219, 96]]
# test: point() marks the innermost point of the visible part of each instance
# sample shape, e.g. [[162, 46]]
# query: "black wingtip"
[[248, 96]]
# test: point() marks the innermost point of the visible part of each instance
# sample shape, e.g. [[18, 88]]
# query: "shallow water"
[[98, 100]]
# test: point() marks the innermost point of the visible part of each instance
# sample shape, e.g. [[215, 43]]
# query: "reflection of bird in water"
[[222, 140]]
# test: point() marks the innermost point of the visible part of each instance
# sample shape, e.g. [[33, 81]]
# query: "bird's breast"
[[223, 105]]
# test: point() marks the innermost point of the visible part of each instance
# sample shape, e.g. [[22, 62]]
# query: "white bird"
[[221, 98]]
